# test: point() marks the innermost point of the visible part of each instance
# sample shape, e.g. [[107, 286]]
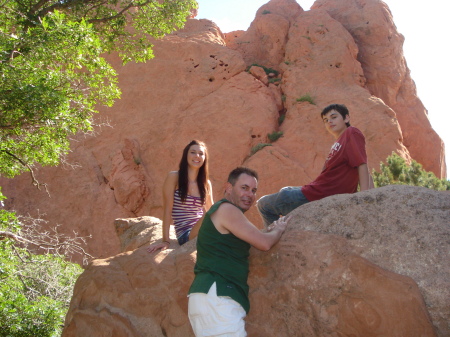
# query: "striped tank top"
[[185, 214]]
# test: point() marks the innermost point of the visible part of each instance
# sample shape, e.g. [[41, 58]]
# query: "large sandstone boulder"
[[374, 263], [197, 86]]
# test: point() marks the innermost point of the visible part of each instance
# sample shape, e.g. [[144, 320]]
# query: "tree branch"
[[35, 182]]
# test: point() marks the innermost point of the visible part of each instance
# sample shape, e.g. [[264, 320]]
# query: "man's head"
[[241, 187], [336, 118]]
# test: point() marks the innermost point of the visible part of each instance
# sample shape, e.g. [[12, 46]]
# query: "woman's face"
[[196, 156]]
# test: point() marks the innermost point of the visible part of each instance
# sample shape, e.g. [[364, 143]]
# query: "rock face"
[[136, 232], [374, 263], [197, 87]]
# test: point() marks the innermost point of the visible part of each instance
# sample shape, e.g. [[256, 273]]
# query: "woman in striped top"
[[187, 194]]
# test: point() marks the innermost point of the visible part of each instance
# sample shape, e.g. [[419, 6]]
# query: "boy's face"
[[335, 123]]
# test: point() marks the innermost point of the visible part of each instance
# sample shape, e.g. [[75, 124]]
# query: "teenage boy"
[[218, 297], [345, 167]]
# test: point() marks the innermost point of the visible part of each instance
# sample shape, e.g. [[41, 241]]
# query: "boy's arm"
[[364, 178]]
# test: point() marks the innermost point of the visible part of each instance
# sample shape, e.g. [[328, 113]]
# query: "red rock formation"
[[347, 265], [381, 55], [265, 40], [197, 87]]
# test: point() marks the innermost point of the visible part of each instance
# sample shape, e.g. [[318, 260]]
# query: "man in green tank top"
[[218, 297]]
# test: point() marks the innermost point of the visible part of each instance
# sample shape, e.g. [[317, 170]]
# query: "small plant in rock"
[[281, 119], [266, 70], [274, 80], [274, 136], [266, 12], [306, 98], [258, 147]]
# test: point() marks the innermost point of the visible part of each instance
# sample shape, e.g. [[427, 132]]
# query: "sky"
[[426, 48]]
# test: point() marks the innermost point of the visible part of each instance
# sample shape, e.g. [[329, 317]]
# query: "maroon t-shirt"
[[340, 172]]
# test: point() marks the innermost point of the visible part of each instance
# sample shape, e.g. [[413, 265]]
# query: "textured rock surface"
[[349, 265], [136, 232], [197, 87]]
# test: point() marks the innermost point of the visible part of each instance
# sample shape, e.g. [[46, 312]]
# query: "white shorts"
[[212, 315]]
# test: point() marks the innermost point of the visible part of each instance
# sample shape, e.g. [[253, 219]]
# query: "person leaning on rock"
[[218, 296], [344, 168], [187, 193]]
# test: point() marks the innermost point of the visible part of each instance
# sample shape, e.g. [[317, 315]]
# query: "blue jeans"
[[271, 206], [184, 238]]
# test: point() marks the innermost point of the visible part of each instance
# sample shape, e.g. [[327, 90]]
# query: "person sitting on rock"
[[344, 168], [218, 296], [187, 193]]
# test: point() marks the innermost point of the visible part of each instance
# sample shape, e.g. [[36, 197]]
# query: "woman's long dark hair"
[[203, 174]]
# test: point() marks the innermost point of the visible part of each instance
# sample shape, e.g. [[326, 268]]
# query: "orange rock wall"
[[197, 87]]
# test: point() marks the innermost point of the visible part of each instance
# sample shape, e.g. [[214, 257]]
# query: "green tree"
[[396, 171], [36, 278], [53, 74]]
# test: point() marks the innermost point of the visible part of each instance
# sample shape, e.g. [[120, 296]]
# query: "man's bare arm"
[[229, 219]]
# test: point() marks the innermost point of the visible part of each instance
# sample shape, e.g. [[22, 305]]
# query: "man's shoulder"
[[221, 206], [225, 205]]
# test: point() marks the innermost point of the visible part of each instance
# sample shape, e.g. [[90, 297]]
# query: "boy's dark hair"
[[341, 108], [234, 175]]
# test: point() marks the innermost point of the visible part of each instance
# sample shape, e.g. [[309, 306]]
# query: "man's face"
[[334, 123], [243, 193]]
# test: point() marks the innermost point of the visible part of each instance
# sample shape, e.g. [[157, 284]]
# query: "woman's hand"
[[156, 246]]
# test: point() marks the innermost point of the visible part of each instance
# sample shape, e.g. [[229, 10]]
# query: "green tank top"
[[221, 258]]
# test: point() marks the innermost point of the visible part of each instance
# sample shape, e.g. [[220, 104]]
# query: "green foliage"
[[281, 119], [52, 73], [397, 172], [306, 98], [266, 12], [274, 136], [275, 79], [258, 147], [266, 70], [35, 289]]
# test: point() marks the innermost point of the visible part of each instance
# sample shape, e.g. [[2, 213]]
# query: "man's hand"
[[279, 224]]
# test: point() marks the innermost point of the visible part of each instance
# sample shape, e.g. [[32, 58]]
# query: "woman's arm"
[[170, 184], [209, 201]]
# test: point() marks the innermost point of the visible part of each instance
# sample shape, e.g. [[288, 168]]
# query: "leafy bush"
[[397, 172], [281, 119], [274, 136], [306, 98], [36, 279]]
